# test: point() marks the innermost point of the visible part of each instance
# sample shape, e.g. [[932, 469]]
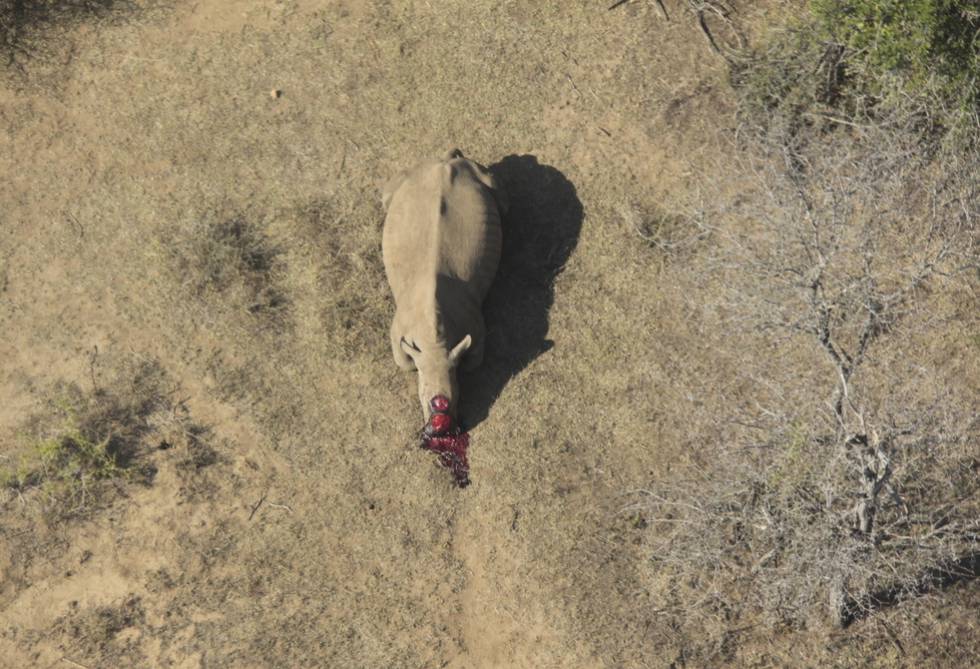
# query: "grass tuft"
[[232, 260]]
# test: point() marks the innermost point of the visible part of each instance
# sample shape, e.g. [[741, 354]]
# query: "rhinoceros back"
[[442, 231]]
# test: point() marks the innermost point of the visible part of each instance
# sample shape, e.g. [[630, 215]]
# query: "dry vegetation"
[[728, 410], [841, 477], [97, 437], [40, 30]]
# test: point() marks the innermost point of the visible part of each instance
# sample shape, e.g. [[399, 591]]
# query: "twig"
[[722, 13], [280, 506], [617, 4], [257, 505], [71, 218], [77, 664], [663, 10], [707, 33], [835, 119], [91, 366], [892, 636], [343, 162]]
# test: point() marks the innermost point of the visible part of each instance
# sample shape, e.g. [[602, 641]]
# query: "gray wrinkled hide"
[[441, 248]]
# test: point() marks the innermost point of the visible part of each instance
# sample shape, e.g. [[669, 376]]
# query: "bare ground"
[[159, 205]]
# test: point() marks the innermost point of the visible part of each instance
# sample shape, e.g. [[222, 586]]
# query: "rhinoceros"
[[441, 247]]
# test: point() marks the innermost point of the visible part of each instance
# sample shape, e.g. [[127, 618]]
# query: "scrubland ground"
[[209, 457]]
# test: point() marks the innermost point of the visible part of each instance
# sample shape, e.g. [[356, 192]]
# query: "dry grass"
[[164, 204], [229, 261]]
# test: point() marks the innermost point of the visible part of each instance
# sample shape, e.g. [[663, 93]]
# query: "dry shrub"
[[843, 476], [675, 236]]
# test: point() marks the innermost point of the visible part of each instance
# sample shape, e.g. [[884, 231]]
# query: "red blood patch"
[[440, 422], [451, 450], [439, 403], [444, 438]]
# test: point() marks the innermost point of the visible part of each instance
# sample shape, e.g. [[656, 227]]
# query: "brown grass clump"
[[101, 633], [37, 29], [231, 259], [348, 287]]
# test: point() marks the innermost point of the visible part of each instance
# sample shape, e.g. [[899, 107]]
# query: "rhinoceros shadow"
[[540, 231]]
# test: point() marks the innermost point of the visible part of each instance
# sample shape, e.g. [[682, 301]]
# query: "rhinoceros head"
[[436, 366]]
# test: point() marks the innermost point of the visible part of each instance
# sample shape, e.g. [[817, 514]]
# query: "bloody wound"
[[445, 439]]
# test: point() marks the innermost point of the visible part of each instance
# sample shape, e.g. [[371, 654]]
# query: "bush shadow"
[[540, 231], [963, 569], [33, 29]]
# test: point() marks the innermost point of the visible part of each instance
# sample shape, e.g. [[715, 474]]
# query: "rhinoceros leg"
[[402, 359]]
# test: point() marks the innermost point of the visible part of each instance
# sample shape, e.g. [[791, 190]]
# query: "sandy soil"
[[319, 535]]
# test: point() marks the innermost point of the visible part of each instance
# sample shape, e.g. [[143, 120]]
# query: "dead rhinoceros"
[[441, 247]]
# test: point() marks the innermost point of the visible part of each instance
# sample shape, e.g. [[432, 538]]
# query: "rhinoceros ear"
[[459, 350], [499, 195], [494, 186]]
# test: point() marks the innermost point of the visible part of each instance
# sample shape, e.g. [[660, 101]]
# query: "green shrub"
[[923, 51], [907, 63], [918, 39], [71, 462], [68, 467], [76, 452]]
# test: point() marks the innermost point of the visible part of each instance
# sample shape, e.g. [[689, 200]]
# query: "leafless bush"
[[845, 475], [671, 234]]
